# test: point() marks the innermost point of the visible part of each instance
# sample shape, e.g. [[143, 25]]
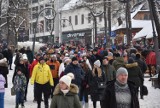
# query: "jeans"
[[2, 100], [20, 97]]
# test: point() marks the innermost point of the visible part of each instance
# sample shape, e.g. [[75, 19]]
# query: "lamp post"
[[35, 30]]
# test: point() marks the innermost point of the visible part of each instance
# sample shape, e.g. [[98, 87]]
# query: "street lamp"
[[34, 39]]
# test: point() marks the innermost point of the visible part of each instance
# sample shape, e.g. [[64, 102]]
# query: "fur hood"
[[131, 65], [3, 62], [73, 90]]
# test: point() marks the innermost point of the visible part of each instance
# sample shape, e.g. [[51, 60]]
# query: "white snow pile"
[[30, 44]]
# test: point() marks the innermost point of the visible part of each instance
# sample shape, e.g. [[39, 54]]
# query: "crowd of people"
[[68, 74]]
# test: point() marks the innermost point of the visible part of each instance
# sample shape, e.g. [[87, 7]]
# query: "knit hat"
[[74, 59], [24, 56], [110, 56], [67, 79], [121, 70], [97, 63], [41, 58]]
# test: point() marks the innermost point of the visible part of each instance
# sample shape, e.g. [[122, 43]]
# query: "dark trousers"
[[45, 89], [56, 81], [20, 97], [26, 90], [83, 94]]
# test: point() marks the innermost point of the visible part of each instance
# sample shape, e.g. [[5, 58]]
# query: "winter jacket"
[[151, 59], [4, 70], [118, 62], [109, 98], [20, 82], [109, 71], [70, 100], [54, 66], [135, 74], [96, 92], [77, 71], [24, 68], [142, 65], [2, 83], [29, 56], [42, 74], [32, 66]]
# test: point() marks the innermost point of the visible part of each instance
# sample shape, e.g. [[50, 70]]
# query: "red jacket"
[[151, 58], [32, 66]]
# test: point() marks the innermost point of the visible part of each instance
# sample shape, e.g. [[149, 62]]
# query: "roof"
[[147, 31], [71, 4]]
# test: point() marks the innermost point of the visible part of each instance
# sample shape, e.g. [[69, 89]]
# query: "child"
[[2, 90], [20, 86], [66, 94]]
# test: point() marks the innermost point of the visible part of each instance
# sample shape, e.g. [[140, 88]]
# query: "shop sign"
[[76, 35]]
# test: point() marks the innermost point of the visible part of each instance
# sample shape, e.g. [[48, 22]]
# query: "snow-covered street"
[[150, 101]]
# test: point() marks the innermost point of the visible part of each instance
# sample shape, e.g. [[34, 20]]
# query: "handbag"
[[144, 90], [101, 85], [13, 92]]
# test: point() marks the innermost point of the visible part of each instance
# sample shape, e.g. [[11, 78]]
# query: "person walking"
[[77, 71], [19, 84], [85, 83], [4, 68], [120, 93], [54, 66], [2, 90], [97, 77], [42, 77], [66, 94]]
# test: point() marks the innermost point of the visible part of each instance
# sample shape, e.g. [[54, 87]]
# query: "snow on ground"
[[150, 101]]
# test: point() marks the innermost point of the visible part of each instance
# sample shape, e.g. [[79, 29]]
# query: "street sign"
[[113, 34]]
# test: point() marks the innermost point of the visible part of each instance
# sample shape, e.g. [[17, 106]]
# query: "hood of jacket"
[[73, 90], [131, 65], [120, 59]]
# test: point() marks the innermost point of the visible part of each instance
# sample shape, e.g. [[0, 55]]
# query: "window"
[[82, 19], [34, 12], [41, 7], [100, 18], [89, 18], [70, 20], [64, 23], [34, 1], [76, 20]]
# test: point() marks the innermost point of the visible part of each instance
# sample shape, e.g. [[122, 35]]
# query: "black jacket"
[[77, 72], [109, 99]]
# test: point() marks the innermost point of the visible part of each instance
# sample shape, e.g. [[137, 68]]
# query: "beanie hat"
[[74, 59], [24, 56], [121, 70], [110, 56], [67, 79], [41, 58], [97, 63], [130, 60]]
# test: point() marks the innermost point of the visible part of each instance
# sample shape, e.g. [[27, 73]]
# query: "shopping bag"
[[13, 92]]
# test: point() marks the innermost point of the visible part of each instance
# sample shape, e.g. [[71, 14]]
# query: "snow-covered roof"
[[135, 23], [146, 31], [71, 4]]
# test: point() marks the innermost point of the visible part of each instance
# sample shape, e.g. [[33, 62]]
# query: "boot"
[[86, 105], [22, 105]]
